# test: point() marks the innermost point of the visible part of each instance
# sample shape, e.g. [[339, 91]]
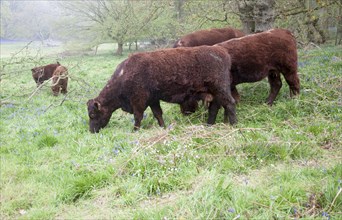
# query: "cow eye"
[[92, 116]]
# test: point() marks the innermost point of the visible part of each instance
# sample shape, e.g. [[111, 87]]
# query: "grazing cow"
[[59, 80], [171, 75], [265, 54], [208, 37], [42, 73]]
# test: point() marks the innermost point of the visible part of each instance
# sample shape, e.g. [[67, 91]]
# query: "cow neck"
[[109, 96]]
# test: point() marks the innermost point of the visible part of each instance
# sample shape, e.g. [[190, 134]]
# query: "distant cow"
[[171, 75], [265, 54], [208, 37], [43, 73], [59, 80]]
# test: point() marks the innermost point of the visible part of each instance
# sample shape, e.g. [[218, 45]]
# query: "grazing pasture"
[[278, 162]]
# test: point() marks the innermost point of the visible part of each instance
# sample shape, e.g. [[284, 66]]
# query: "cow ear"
[[58, 63], [94, 104], [97, 106]]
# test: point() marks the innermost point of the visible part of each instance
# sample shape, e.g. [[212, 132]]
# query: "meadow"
[[278, 162]]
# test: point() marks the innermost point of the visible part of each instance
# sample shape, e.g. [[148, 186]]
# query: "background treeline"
[[90, 23]]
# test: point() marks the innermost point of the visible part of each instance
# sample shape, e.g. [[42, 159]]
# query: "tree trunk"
[[119, 50], [256, 16], [246, 16], [315, 34], [320, 31], [264, 15], [130, 45], [96, 47]]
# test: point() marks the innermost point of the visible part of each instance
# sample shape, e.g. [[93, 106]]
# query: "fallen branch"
[[60, 103], [38, 88]]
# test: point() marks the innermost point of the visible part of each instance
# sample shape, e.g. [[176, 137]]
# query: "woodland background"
[[90, 23]]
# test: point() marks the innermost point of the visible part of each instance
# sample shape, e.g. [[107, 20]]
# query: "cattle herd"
[[205, 65]]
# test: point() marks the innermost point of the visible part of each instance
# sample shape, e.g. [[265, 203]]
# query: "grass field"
[[279, 162]]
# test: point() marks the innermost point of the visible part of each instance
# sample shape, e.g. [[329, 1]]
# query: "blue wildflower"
[[10, 105], [325, 214], [294, 209], [115, 151]]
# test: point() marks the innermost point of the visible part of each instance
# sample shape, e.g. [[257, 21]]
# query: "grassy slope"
[[282, 161]]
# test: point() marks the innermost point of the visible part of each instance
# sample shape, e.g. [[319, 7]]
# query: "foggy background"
[[86, 24]]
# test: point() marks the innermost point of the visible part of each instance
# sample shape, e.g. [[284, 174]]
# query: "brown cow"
[[256, 56], [170, 75], [43, 73], [208, 37], [265, 54], [59, 80]]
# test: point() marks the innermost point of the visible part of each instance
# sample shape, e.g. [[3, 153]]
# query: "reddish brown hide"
[[208, 37], [59, 80], [261, 55], [42, 73], [171, 75]]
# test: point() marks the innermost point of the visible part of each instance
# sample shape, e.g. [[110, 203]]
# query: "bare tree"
[[118, 21]]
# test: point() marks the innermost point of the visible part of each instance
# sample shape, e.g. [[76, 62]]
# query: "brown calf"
[[43, 73], [59, 80]]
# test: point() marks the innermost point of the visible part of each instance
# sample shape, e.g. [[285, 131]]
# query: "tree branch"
[[302, 10]]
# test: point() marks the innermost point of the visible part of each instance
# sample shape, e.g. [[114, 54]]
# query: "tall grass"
[[279, 162]]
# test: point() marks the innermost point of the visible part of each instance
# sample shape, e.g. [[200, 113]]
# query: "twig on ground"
[[332, 203]]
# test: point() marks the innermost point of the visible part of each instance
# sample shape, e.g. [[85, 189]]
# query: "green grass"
[[279, 162]]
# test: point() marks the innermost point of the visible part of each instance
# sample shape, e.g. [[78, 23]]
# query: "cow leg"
[[55, 90], [138, 116], [227, 101], [64, 90], [230, 113], [292, 80], [65, 86], [55, 87], [235, 94], [158, 113], [275, 84], [213, 110], [138, 112]]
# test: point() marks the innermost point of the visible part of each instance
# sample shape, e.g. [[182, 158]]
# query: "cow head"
[[37, 73], [98, 116], [188, 107]]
